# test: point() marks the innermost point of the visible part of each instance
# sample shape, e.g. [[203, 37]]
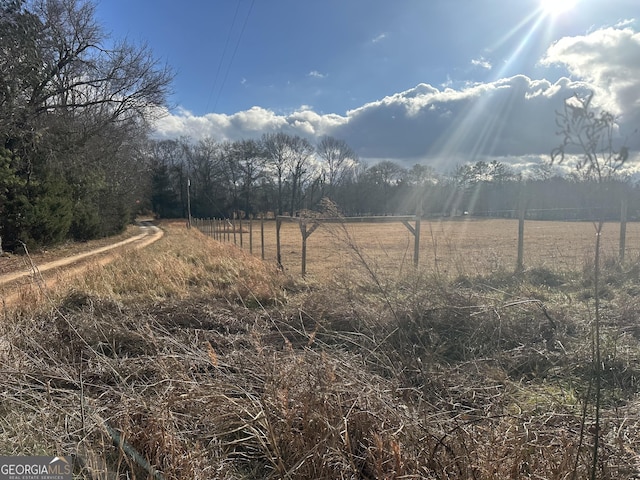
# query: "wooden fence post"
[[520, 261], [416, 246], [250, 234], [415, 231], [306, 233], [416, 240], [233, 227], [623, 227], [303, 231]]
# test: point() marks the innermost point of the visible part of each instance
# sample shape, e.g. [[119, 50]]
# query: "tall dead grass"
[[192, 360], [183, 263]]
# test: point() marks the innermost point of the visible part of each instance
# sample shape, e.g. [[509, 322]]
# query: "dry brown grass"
[[451, 247], [203, 362], [183, 263]]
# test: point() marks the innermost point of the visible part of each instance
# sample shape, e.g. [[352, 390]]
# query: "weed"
[[194, 360]]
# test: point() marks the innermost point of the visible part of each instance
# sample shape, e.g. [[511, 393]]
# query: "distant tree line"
[[278, 173], [285, 174], [74, 106]]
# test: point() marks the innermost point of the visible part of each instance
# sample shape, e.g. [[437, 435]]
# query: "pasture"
[[449, 247]]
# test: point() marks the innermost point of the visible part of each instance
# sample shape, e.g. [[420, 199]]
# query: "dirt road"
[[10, 283]]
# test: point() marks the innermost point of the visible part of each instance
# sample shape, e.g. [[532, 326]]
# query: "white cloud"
[[510, 119], [250, 123], [316, 74], [219, 126], [379, 38], [609, 59], [507, 118], [627, 22], [482, 63]]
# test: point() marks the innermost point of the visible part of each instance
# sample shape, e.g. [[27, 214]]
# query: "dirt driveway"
[[31, 270]]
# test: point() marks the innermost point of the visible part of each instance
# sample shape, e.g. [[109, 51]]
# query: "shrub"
[[86, 222], [38, 215]]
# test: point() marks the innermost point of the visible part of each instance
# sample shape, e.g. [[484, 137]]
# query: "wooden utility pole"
[[278, 253], [188, 202]]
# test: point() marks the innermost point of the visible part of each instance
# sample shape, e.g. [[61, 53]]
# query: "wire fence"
[[460, 245]]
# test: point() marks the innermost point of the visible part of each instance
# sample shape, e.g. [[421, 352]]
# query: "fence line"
[[224, 229], [309, 225]]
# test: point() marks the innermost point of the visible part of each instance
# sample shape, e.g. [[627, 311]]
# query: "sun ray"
[[526, 38], [465, 142]]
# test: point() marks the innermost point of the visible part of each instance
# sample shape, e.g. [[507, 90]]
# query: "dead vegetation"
[[193, 360], [450, 247]]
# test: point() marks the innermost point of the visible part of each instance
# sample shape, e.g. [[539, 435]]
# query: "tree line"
[[285, 174], [277, 173]]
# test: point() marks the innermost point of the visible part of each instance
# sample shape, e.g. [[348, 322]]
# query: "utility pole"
[[189, 202]]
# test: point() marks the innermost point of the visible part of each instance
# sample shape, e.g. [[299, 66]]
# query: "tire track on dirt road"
[[75, 264]]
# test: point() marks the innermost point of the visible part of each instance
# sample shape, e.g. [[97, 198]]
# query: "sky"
[[436, 82]]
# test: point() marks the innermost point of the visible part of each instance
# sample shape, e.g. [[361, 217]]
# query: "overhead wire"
[[233, 55], [224, 53]]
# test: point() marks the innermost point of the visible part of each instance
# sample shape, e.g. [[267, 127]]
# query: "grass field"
[[448, 247], [192, 359]]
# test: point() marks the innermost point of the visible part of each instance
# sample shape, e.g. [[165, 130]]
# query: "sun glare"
[[557, 7]]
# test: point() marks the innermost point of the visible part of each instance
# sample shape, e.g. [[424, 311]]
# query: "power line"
[[224, 80], [224, 53]]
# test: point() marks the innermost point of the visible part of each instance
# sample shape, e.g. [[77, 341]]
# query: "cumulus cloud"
[[627, 22], [316, 74], [510, 119], [250, 123], [507, 118], [609, 59]]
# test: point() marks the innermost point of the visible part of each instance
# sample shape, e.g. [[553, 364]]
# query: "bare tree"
[[422, 175], [81, 72], [277, 151], [301, 152], [208, 178], [339, 160], [383, 177], [288, 156], [249, 159]]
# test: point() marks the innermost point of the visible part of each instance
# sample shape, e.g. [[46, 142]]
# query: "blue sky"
[[414, 81]]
